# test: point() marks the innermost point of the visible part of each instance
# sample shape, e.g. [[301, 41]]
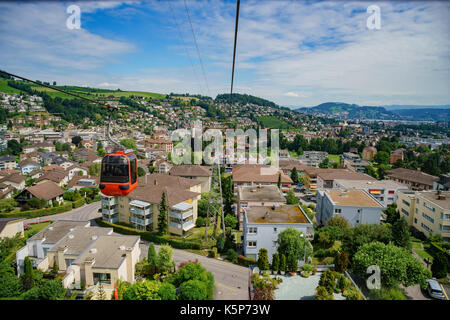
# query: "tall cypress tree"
[[163, 225], [152, 256], [28, 276], [279, 180], [294, 175]]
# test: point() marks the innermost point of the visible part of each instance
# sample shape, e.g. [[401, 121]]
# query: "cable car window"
[[133, 168], [115, 169]]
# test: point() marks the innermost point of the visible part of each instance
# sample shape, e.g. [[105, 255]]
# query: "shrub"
[[193, 290], [212, 253], [292, 263], [78, 203], [343, 282], [167, 291], [341, 261], [275, 262], [322, 294], [387, 294], [352, 294], [200, 222], [439, 266], [328, 281], [282, 263], [305, 274], [307, 267], [232, 256], [220, 244], [263, 259], [244, 261]]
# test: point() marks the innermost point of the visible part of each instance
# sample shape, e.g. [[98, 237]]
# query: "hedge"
[[435, 248], [39, 212], [149, 236], [244, 261], [78, 203]]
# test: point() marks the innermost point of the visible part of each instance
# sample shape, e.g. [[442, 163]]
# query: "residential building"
[[369, 153], [47, 190], [426, 211], [7, 162], [107, 259], [313, 158], [263, 224], [396, 155], [79, 182], [196, 172], [357, 206], [257, 196], [353, 160], [415, 179], [38, 245], [259, 174], [9, 227], [385, 191], [325, 178], [140, 208], [59, 177], [15, 180], [28, 165], [443, 183]]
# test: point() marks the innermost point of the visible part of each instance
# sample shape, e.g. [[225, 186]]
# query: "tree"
[[341, 261], [167, 291], [129, 144], [325, 163], [338, 221], [263, 259], [165, 262], [163, 226], [370, 170], [28, 281], [55, 268], [275, 263], [151, 169], [141, 172], [94, 169], [282, 263], [392, 214], [290, 242], [14, 147], [51, 290], [294, 176], [152, 257], [365, 233], [382, 157], [279, 180], [396, 264], [292, 263], [439, 266], [143, 290], [231, 221], [76, 140], [193, 290], [291, 198], [400, 233], [10, 286]]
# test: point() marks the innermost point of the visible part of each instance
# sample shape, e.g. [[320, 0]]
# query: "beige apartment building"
[[140, 208], [427, 211]]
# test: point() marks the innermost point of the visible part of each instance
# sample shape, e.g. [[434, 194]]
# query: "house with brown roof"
[[79, 182], [28, 165], [326, 178], [259, 174], [15, 180], [196, 172], [85, 155], [6, 191], [60, 178], [415, 179], [48, 190]]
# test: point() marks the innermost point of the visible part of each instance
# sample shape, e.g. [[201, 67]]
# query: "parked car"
[[435, 290]]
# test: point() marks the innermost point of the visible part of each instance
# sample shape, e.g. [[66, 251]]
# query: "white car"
[[435, 290]]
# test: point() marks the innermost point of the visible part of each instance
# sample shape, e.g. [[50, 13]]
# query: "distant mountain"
[[340, 110], [410, 107]]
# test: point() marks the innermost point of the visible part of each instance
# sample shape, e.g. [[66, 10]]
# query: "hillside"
[[341, 110], [244, 99]]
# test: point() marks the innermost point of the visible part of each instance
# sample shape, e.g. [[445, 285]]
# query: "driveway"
[[231, 281], [83, 213]]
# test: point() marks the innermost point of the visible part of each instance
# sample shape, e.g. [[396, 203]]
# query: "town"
[[342, 192]]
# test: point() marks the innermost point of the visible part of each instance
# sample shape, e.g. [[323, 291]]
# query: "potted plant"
[[292, 265], [314, 270]]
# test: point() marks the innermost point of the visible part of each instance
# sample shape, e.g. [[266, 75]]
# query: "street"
[[231, 280], [86, 212]]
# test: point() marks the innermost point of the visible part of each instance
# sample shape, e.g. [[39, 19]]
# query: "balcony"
[[188, 225], [140, 211], [109, 201], [142, 222], [181, 215], [111, 219], [110, 211]]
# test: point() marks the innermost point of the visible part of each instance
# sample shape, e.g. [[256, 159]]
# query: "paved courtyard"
[[299, 288]]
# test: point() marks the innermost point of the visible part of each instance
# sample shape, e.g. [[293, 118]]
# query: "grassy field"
[[7, 89], [334, 158], [273, 122], [35, 228]]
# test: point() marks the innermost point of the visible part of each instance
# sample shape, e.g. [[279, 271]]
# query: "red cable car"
[[119, 174]]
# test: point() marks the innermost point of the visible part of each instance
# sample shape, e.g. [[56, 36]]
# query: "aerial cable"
[[234, 51], [184, 45], [110, 108], [198, 51]]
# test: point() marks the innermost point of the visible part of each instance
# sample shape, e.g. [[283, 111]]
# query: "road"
[[86, 212], [231, 280]]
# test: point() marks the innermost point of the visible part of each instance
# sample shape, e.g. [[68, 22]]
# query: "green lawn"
[[273, 122], [7, 89], [35, 228], [423, 254], [334, 158]]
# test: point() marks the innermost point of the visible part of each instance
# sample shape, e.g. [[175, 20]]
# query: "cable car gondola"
[[118, 174]]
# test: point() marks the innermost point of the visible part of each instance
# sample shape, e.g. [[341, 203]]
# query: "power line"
[[198, 51], [184, 44], [234, 51]]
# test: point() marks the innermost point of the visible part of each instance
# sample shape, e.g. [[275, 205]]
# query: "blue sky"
[[298, 53]]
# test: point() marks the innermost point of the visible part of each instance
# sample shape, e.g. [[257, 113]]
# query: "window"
[[405, 212], [445, 228], [428, 207], [104, 278], [252, 230], [133, 168], [406, 202], [274, 229], [337, 210], [427, 217], [251, 244], [445, 216], [426, 227], [415, 220], [114, 169], [391, 192]]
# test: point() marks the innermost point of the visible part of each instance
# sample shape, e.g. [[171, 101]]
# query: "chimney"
[[130, 265]]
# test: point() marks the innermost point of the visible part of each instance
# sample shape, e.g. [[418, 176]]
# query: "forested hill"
[[244, 99]]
